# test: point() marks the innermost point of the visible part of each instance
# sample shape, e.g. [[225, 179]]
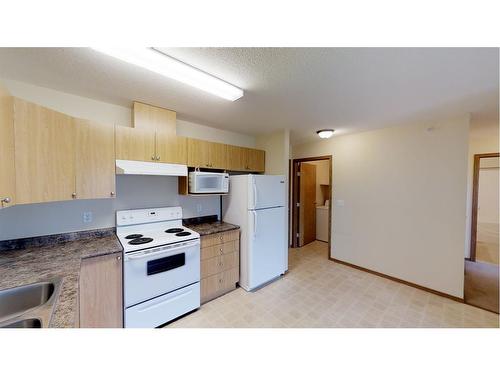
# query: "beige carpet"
[[481, 285], [487, 245], [317, 292]]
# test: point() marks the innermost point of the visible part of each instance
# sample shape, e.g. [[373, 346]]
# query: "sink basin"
[[16, 301], [25, 323]]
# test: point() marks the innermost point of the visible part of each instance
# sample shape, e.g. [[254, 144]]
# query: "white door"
[[266, 245], [266, 191]]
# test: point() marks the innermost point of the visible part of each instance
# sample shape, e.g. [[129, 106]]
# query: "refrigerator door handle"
[[254, 223], [254, 185]]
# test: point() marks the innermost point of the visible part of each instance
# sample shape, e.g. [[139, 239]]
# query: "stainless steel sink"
[[16, 301], [25, 323], [28, 306]]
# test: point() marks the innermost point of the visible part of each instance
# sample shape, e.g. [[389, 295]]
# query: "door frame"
[[295, 186], [475, 198]]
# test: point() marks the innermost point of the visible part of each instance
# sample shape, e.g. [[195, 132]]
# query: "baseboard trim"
[[441, 294]]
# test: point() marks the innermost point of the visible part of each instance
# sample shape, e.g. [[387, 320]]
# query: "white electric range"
[[161, 266]]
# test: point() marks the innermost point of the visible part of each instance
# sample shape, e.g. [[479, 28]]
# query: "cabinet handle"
[[112, 193], [157, 158], [221, 251], [207, 165], [5, 200], [73, 195], [220, 281], [118, 257], [153, 157]]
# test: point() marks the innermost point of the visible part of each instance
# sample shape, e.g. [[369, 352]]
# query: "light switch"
[[87, 217]]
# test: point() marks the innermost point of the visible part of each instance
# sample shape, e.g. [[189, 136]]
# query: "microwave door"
[[208, 184]]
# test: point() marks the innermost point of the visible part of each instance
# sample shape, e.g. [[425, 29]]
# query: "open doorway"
[[482, 267], [311, 200]]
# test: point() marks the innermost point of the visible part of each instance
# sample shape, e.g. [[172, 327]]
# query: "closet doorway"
[[311, 200]]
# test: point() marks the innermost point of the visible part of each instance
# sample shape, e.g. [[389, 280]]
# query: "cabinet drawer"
[[224, 248], [219, 238], [219, 264], [216, 285]]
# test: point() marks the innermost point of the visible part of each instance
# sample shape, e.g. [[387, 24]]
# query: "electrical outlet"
[[199, 208], [87, 217]]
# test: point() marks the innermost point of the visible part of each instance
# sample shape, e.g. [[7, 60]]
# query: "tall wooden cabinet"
[[7, 170], [101, 292], [44, 154], [135, 144]]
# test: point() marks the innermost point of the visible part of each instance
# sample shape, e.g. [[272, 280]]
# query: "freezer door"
[[266, 191], [266, 245]]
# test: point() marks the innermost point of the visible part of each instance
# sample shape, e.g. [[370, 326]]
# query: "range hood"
[[148, 168]]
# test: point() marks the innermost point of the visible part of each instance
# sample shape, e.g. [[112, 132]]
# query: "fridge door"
[[266, 246], [266, 191]]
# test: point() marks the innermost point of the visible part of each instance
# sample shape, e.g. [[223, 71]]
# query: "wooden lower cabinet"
[[220, 264], [101, 292]]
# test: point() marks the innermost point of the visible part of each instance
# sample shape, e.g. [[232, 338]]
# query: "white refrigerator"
[[257, 203]]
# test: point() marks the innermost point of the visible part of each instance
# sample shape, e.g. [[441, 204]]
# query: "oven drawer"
[[160, 310]]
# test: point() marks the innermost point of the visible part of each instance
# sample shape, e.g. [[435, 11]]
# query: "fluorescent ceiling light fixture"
[[325, 133], [155, 61]]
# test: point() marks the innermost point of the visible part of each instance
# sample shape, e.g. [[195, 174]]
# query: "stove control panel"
[[148, 215]]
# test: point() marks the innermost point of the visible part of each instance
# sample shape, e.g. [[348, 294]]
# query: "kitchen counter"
[[47, 258], [205, 229]]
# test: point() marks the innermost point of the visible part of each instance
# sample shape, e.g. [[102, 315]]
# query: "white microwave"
[[208, 183]]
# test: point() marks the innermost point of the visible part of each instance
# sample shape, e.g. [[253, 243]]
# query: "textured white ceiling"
[[302, 89]]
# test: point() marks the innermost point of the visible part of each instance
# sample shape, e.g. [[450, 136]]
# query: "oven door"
[[152, 272]]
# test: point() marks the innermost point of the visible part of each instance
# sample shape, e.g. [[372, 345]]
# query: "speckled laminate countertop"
[[212, 228], [57, 260]]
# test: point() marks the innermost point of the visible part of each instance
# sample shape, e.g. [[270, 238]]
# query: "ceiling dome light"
[[325, 133]]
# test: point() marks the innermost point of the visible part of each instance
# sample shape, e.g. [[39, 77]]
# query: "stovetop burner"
[[183, 234], [174, 230], [133, 236], [140, 241]]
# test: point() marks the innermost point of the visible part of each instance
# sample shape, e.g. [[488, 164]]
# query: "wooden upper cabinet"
[[7, 170], [44, 154], [245, 159], [154, 118], [206, 154], [134, 144], [217, 153], [255, 160], [171, 148], [197, 151], [95, 160]]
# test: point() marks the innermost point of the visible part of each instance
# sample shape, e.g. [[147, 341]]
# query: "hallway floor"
[[317, 292]]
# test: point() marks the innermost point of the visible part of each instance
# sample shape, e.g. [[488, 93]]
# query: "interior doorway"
[[482, 268], [311, 200]]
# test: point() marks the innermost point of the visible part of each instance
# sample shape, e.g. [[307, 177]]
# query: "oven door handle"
[[165, 250]]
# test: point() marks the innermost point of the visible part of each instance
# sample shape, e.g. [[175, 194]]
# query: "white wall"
[[131, 191], [400, 201]]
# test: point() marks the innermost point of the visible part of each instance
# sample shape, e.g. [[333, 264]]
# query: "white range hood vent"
[[148, 168]]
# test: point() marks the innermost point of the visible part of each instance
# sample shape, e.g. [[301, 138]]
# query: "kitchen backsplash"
[[69, 216]]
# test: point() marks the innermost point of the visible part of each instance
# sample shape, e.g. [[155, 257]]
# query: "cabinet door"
[[134, 144], [198, 153], [236, 158], [153, 118], [7, 164], [95, 160], [171, 148], [100, 292], [44, 154], [255, 160], [217, 155]]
